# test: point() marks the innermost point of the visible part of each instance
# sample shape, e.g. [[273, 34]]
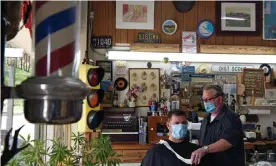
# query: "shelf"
[[251, 105]]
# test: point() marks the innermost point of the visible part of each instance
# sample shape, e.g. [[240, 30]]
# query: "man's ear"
[[221, 100], [168, 124]]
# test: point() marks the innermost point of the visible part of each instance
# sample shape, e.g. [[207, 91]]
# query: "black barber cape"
[[159, 155]]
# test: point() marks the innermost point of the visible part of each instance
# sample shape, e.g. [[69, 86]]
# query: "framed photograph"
[[238, 18], [269, 20], [135, 15], [107, 66]]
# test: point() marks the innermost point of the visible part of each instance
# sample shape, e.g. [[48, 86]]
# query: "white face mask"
[[179, 131]]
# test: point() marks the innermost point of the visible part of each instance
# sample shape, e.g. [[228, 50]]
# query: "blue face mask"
[[209, 107], [179, 131]]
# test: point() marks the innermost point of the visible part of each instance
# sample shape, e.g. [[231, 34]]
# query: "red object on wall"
[[28, 24]]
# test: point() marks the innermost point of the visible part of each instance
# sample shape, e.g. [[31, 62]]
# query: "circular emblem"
[[169, 27], [205, 29]]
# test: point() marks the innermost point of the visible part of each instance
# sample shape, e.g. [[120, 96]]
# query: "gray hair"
[[215, 88]]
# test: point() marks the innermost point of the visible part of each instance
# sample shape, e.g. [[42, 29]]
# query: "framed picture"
[[135, 15], [269, 20], [238, 18], [107, 66]]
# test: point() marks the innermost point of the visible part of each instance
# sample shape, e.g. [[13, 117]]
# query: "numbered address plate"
[[101, 42], [230, 68]]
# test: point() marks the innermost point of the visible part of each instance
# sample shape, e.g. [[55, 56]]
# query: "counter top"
[[133, 146]]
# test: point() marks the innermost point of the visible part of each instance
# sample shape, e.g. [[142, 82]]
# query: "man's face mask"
[[210, 106], [179, 131]]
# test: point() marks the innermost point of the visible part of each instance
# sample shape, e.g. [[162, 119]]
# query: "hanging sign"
[[98, 42], [230, 68], [149, 37]]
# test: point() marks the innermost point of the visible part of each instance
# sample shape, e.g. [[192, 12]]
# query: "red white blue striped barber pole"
[[55, 37]]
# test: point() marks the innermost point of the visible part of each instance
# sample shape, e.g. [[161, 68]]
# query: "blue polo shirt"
[[226, 125]]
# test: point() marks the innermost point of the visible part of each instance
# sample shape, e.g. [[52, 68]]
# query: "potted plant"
[[96, 152]]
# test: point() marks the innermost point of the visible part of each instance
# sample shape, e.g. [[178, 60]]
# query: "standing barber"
[[221, 135]]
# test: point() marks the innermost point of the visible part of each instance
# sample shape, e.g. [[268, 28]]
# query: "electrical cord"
[[91, 20]]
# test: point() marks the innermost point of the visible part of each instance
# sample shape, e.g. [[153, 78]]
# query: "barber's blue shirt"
[[226, 125]]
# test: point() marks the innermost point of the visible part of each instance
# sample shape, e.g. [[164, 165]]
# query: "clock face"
[[205, 29]]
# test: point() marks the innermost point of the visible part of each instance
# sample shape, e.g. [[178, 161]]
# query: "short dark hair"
[[218, 90], [176, 113]]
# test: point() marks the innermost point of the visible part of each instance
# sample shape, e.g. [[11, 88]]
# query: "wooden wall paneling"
[[235, 49], [109, 25], [227, 40], [190, 19], [201, 15], [210, 6], [177, 17], [113, 21], [105, 21], [158, 19], [240, 40], [180, 24], [164, 17], [273, 43]]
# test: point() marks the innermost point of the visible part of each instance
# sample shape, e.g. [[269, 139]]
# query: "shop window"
[[16, 120]]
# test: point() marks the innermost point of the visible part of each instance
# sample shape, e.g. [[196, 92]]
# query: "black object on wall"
[[184, 6]]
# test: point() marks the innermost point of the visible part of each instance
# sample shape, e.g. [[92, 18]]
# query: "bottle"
[[253, 98], [115, 102], [258, 133]]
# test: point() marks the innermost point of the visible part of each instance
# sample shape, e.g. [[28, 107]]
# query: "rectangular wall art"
[[238, 18], [135, 15], [269, 15]]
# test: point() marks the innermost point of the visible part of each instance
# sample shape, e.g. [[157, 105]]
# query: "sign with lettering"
[[230, 68], [148, 37], [98, 42], [23, 63], [202, 75], [253, 80]]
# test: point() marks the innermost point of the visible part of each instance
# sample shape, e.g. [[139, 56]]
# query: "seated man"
[[162, 155]]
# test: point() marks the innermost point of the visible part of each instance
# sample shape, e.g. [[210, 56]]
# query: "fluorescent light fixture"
[[14, 52], [187, 57]]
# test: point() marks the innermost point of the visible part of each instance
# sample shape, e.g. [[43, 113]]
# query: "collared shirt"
[[226, 125]]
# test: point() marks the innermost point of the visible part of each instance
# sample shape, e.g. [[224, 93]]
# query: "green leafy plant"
[[96, 152]]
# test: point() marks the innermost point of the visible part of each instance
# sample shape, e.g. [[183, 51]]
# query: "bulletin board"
[[151, 79], [253, 80]]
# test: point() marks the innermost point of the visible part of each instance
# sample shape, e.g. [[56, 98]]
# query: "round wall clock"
[[169, 27], [205, 29]]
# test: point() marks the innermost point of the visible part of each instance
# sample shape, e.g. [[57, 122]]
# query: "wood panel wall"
[[105, 24]]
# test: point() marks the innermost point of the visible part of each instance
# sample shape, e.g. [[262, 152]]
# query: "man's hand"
[[198, 155]]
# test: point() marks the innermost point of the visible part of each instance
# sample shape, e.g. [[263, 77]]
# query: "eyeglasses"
[[207, 100]]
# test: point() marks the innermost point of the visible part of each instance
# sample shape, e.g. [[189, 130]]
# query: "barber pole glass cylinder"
[[56, 36]]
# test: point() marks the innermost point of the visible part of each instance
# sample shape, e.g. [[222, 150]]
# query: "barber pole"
[[56, 37]]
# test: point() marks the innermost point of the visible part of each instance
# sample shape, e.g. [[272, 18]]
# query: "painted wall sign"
[[101, 42], [148, 37], [229, 68]]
